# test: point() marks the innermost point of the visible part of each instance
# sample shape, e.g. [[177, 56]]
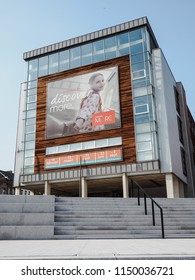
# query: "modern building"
[[6, 182], [100, 110]]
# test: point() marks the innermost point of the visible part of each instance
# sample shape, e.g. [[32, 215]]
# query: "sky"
[[26, 25]]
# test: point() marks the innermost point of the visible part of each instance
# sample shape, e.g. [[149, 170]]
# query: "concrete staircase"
[[96, 218], [26, 217], [49, 217]]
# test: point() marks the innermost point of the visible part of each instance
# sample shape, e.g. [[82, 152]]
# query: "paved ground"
[[98, 249]]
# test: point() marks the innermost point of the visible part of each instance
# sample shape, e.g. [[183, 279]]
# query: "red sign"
[[103, 118]]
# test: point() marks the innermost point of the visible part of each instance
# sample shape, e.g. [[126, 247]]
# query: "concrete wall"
[[26, 217], [169, 143]]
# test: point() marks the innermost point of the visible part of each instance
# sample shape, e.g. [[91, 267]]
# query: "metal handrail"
[[153, 202]]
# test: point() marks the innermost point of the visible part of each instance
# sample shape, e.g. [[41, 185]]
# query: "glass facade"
[[136, 43]]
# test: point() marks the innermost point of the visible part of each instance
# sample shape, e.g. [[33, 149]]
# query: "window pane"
[[51, 150], [98, 50], [139, 74], [143, 137], [88, 145], [30, 121], [141, 109], [32, 69], [75, 147], [110, 47], [135, 34], [86, 54], [29, 153], [141, 128], [64, 60], [115, 141], [31, 106], [32, 85], [137, 48], [30, 128], [144, 156], [137, 58], [142, 118], [30, 137], [32, 98], [29, 161], [140, 100], [101, 143], [143, 146], [63, 148], [29, 145], [31, 114], [53, 63], [43, 66], [75, 59]]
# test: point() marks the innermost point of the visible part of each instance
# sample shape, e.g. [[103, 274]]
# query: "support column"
[[47, 190], [125, 185], [17, 191], [84, 190], [174, 186]]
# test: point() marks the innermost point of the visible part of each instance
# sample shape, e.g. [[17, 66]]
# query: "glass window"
[[29, 145], [101, 143], [53, 63], [142, 118], [86, 54], [140, 83], [32, 98], [98, 50], [31, 114], [30, 129], [135, 35], [115, 141], [51, 150], [63, 148], [32, 85], [139, 74], [140, 91], [75, 59], [30, 137], [136, 48], [143, 146], [29, 153], [30, 121], [142, 128], [75, 147], [43, 66], [29, 170], [143, 137], [29, 161], [137, 58], [123, 44], [32, 69], [110, 47], [64, 60], [31, 106], [32, 92], [88, 145], [140, 109], [144, 156], [138, 66], [140, 100]]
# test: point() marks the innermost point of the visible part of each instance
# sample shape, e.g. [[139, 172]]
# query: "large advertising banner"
[[107, 155], [83, 103]]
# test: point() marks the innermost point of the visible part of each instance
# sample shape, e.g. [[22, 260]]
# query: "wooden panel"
[[126, 106]]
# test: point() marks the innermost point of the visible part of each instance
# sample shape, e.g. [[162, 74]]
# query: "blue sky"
[[27, 25]]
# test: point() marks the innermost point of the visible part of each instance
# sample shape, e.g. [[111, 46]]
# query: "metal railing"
[[153, 203]]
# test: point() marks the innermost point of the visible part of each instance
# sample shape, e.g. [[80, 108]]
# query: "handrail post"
[[153, 215], [145, 204], [162, 223], [138, 196]]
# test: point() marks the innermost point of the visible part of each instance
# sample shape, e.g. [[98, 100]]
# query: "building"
[[77, 140], [6, 182]]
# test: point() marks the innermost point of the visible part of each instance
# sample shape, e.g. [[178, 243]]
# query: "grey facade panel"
[[95, 171], [88, 37]]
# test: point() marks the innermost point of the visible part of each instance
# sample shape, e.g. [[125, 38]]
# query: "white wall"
[[169, 143]]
